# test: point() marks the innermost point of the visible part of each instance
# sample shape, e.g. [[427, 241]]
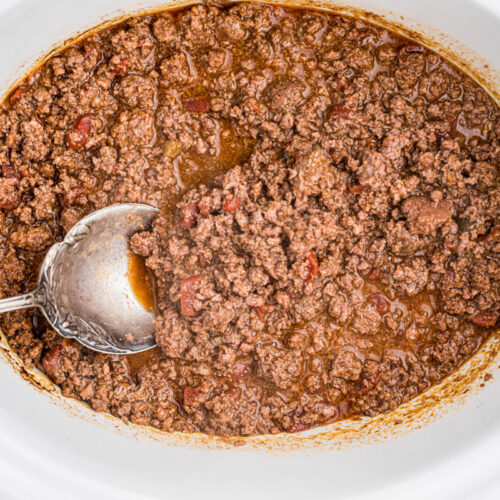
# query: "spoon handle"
[[31, 299]]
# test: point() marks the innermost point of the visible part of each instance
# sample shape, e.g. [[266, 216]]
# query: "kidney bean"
[[379, 302], [51, 362], [345, 112], [312, 266], [18, 94], [8, 171], [232, 204], [486, 319], [10, 203], [78, 137], [121, 68], [189, 289], [190, 395], [197, 106]]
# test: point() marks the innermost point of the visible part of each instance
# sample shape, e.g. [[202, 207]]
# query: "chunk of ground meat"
[[366, 320], [175, 70], [411, 276], [164, 29], [32, 238], [284, 96], [134, 127], [425, 216], [346, 365], [34, 140], [136, 91], [314, 173], [9, 193], [339, 308], [373, 171], [280, 368]]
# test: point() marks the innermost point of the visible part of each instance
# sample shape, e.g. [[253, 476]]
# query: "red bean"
[[78, 137], [52, 360], [345, 112], [121, 68], [18, 94], [197, 106], [10, 203], [379, 302], [485, 319], [232, 204], [8, 171], [189, 289], [312, 266], [190, 395], [341, 111]]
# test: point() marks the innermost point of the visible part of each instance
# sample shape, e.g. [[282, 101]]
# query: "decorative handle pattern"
[[32, 299]]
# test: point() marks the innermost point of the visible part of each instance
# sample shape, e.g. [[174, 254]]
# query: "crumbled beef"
[[426, 216]]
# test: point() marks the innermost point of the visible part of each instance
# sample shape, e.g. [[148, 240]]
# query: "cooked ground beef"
[[329, 236]]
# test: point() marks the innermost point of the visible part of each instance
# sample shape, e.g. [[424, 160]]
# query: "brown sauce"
[[140, 280]]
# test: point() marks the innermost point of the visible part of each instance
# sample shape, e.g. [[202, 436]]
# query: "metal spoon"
[[83, 288]]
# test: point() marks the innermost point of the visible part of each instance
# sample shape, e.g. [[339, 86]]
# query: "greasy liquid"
[[141, 282]]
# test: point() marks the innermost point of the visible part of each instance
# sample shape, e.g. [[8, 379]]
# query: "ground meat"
[[328, 236], [411, 276], [134, 128], [9, 193], [175, 70], [165, 29], [136, 91], [346, 365], [424, 215], [285, 96], [372, 173], [281, 368], [314, 173], [366, 320], [34, 239]]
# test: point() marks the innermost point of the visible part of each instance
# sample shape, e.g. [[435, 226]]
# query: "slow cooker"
[[443, 444]]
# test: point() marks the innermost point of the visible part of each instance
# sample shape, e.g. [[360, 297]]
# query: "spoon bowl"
[[83, 286]]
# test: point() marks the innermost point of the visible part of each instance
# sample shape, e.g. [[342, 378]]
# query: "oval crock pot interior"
[[53, 449]]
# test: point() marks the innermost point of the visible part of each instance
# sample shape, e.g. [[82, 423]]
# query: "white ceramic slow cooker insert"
[[58, 449]]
